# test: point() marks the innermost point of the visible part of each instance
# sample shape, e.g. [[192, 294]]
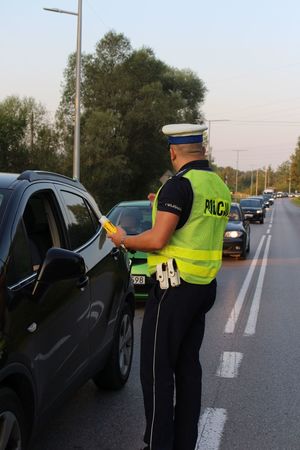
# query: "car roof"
[[8, 180], [134, 203], [251, 198]]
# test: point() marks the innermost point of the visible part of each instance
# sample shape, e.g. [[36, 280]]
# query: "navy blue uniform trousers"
[[172, 333]]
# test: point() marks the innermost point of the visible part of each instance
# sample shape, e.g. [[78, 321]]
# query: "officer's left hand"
[[117, 237]]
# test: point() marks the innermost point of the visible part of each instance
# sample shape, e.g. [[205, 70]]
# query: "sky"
[[246, 53]]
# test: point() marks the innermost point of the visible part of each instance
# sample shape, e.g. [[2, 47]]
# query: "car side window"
[[234, 214], [19, 264], [42, 226], [82, 226]]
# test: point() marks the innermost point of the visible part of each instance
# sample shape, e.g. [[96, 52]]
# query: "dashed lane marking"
[[229, 364], [252, 319], [210, 429], [234, 315]]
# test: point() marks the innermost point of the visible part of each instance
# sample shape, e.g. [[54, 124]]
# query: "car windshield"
[[234, 214], [252, 203], [133, 219]]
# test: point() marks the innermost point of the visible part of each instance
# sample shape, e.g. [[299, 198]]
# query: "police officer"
[[190, 212]]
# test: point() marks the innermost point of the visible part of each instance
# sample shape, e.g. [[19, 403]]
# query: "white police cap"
[[184, 133]]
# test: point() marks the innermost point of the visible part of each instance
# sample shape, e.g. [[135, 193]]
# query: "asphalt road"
[[250, 359]]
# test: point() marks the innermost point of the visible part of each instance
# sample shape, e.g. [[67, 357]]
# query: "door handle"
[[83, 282], [115, 252]]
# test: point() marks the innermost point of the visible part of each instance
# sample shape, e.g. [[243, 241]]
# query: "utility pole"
[[256, 187], [237, 168], [266, 176], [251, 186]]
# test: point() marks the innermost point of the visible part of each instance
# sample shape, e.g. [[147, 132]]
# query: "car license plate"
[[138, 279], [248, 216]]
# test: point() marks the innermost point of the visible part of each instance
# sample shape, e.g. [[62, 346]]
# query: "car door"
[[55, 325], [105, 264]]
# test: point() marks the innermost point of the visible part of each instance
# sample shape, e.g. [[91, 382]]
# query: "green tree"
[[44, 153], [106, 170], [228, 176], [295, 167], [282, 177], [13, 150], [27, 139], [127, 95]]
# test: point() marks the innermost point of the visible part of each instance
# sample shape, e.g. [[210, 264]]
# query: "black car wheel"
[[12, 423], [262, 220], [248, 246], [243, 254], [117, 369]]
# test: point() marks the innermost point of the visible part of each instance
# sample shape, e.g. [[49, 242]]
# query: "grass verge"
[[296, 201]]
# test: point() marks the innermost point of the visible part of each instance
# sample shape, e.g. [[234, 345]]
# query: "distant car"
[[266, 199], [264, 202], [253, 209], [269, 198], [237, 234], [135, 217]]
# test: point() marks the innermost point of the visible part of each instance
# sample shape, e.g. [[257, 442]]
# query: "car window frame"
[[47, 189], [25, 279], [68, 221]]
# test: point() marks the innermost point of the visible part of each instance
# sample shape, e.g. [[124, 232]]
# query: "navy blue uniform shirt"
[[176, 196]]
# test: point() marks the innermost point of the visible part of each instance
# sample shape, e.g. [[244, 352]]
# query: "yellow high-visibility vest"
[[197, 246]]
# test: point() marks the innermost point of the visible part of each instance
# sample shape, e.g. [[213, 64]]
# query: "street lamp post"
[[208, 137], [76, 151], [251, 186]]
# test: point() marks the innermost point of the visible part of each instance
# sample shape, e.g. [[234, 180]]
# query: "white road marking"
[[234, 315], [268, 231], [229, 364], [210, 429], [252, 319]]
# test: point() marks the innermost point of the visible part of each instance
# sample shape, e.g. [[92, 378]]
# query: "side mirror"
[[59, 264]]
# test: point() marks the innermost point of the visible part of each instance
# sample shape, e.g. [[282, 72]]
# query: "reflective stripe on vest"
[[197, 246], [171, 251]]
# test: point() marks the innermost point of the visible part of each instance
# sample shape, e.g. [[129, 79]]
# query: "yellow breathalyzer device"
[[107, 225]]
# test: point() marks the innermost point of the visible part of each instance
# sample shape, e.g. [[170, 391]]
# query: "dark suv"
[[66, 301], [253, 209]]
